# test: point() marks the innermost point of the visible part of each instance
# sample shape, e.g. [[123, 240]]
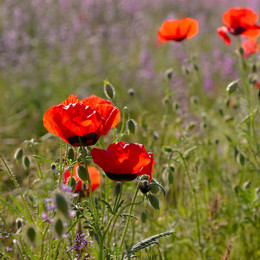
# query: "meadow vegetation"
[[193, 104]]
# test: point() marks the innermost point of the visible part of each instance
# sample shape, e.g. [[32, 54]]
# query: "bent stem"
[[128, 220], [195, 201]]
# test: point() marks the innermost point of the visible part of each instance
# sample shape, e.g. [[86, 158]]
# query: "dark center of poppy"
[[237, 31], [85, 140], [121, 177]]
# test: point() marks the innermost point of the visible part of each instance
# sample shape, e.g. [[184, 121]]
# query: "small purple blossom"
[[45, 218], [79, 243]]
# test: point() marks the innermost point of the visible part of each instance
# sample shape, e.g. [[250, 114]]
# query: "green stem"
[[18, 188], [128, 220], [93, 204], [123, 124], [60, 162], [195, 200]]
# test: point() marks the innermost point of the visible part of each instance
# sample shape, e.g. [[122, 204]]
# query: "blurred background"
[[51, 49]]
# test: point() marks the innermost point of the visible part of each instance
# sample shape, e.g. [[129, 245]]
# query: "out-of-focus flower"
[[124, 161], [178, 30], [94, 175], [250, 46], [81, 121], [239, 21], [257, 84]]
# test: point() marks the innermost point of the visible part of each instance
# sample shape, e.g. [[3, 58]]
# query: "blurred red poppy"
[[94, 175], [178, 30], [239, 21], [83, 121], [124, 161], [250, 46]]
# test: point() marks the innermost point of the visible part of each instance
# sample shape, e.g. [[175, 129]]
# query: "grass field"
[[193, 103]]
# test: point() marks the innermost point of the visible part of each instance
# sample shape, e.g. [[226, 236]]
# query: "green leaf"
[[14, 210], [42, 159], [20, 208], [155, 182], [108, 206]]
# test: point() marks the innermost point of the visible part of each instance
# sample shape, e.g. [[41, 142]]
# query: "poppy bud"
[[170, 177], [167, 149], [70, 154], [53, 168], [246, 185], [195, 67], [131, 92], [58, 227], [19, 222], [190, 126], [81, 171], [109, 90], [143, 216], [131, 126], [26, 162], [254, 68], [154, 189], [241, 51], [232, 86], [169, 73], [194, 100], [241, 158], [257, 191], [144, 186], [18, 154], [153, 201], [31, 234], [117, 188], [62, 204], [72, 182]]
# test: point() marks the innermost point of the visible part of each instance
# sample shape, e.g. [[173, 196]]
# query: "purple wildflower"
[[79, 244]]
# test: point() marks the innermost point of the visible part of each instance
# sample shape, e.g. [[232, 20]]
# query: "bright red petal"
[[124, 161], [106, 109], [178, 30], [222, 32], [74, 121]]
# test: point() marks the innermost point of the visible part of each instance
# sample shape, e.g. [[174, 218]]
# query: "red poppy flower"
[[84, 120], [250, 46], [178, 30], [124, 161], [257, 84], [239, 21], [94, 175]]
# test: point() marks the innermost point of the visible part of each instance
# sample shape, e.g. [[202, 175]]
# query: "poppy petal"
[[94, 175], [106, 109], [178, 30], [222, 32], [73, 122], [124, 161]]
